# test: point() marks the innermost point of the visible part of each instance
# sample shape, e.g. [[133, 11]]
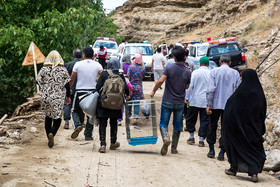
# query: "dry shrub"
[[268, 22], [252, 62]]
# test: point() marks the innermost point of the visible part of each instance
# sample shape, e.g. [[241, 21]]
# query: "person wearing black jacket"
[[244, 126], [77, 54], [103, 113]]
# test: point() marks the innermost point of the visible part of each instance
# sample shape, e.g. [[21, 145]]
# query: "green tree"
[[53, 25]]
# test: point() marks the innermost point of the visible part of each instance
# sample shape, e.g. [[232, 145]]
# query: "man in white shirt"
[[158, 64], [196, 96], [86, 72], [121, 46]]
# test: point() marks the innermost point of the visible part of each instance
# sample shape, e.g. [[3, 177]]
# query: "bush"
[[52, 25]]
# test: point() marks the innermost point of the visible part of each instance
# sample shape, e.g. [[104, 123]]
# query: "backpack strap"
[[110, 72]]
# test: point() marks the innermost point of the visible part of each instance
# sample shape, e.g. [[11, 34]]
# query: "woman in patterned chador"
[[136, 73], [53, 80]]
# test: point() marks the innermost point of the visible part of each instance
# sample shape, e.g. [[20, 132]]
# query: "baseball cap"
[[204, 60]]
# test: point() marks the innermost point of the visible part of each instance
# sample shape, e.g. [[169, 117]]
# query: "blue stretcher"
[[145, 139]]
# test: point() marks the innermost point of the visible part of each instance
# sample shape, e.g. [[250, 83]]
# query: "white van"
[[109, 43], [147, 53], [196, 51]]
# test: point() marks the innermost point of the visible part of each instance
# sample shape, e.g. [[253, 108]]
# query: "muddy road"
[[78, 163]]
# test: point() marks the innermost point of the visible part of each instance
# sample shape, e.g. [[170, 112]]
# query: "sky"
[[112, 4]]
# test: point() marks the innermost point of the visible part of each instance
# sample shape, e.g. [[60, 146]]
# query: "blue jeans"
[[136, 109], [166, 110]]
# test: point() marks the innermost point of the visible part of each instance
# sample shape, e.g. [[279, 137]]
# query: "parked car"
[[109, 43], [232, 48], [147, 53], [197, 50]]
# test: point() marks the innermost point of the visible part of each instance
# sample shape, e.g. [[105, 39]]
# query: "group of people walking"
[[215, 94]]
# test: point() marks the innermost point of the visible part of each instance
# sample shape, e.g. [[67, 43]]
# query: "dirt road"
[[78, 163]]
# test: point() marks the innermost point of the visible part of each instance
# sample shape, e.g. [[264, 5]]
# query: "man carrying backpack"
[[111, 86]]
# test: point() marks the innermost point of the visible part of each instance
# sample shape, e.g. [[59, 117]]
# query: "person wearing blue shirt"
[[222, 83], [196, 97]]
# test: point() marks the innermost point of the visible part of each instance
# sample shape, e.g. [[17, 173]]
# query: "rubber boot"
[[221, 156], [166, 140], [175, 140], [211, 153], [114, 144]]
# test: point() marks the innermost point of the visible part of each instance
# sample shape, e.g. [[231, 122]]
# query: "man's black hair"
[[171, 46], [158, 49], [88, 51], [77, 53], [179, 52], [187, 53], [101, 47], [123, 41]]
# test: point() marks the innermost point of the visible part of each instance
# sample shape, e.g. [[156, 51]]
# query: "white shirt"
[[120, 47], [196, 93], [170, 61], [102, 52], [87, 71], [158, 58], [223, 81]]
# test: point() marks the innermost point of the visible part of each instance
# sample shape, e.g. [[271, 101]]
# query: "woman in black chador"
[[244, 126]]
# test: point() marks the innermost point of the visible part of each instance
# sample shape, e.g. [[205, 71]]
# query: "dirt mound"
[[24, 125]]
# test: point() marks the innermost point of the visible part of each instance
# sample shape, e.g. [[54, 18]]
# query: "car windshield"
[[202, 50], [144, 50], [108, 45], [220, 49]]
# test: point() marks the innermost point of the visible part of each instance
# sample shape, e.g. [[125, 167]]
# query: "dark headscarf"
[[114, 64], [244, 125], [126, 59]]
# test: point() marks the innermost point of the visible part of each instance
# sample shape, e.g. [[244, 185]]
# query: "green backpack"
[[113, 92]]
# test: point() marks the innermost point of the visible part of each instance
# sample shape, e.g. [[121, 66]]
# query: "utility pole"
[[104, 22], [85, 26]]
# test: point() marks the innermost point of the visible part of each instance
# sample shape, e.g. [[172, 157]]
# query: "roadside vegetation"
[[53, 25]]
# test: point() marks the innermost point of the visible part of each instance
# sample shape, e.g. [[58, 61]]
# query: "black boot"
[[175, 140], [211, 153], [102, 136], [114, 130], [166, 140], [221, 156]]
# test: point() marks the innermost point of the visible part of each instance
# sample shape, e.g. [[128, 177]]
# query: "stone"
[[277, 131], [272, 162], [33, 129]]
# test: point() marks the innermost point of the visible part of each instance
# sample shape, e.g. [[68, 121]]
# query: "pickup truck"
[[232, 48]]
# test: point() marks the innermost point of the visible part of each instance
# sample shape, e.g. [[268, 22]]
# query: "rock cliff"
[[254, 22], [147, 19]]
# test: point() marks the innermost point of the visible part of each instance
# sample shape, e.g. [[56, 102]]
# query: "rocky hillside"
[[254, 22], [149, 19]]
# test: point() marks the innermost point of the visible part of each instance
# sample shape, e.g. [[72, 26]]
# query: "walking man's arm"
[[72, 79], [158, 84]]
